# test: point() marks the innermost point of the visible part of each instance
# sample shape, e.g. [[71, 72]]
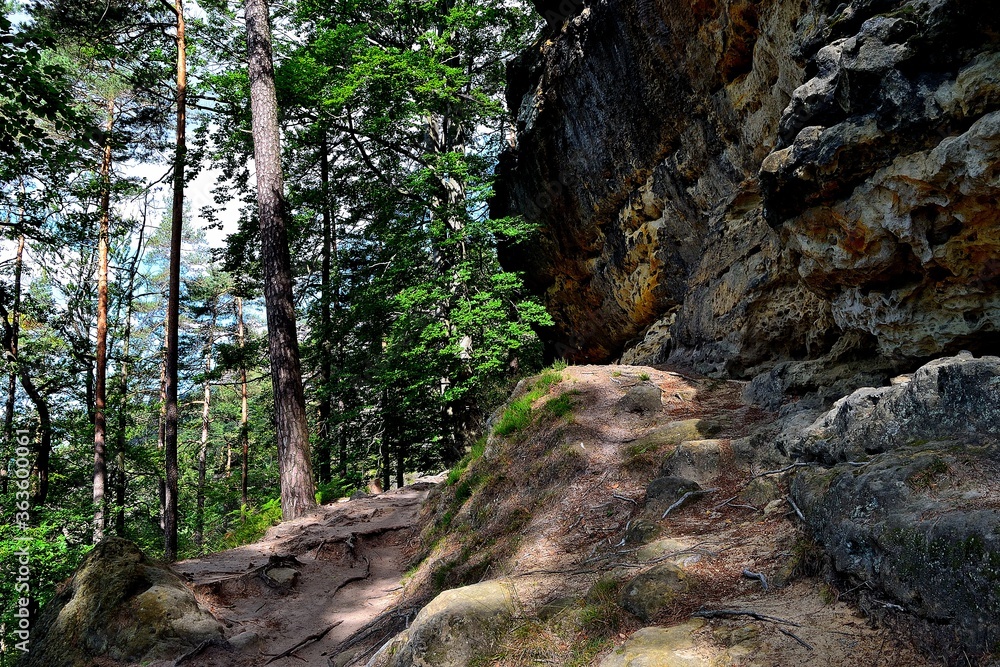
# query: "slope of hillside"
[[627, 498]]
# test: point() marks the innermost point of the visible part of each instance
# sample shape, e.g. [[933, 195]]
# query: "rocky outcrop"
[[733, 184], [456, 627], [120, 607], [908, 511]]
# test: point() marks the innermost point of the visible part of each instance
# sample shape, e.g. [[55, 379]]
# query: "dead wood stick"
[[626, 499], [756, 575], [683, 498], [796, 638], [305, 642], [724, 613], [797, 464], [796, 508]]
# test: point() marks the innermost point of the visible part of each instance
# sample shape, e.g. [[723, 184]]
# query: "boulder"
[[643, 398], [699, 460], [653, 591], [659, 647], [949, 399], [119, 606], [456, 627]]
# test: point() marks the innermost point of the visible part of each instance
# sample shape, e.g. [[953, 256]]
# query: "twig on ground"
[[726, 613], [796, 508], [796, 638], [305, 642], [684, 498], [797, 464], [629, 500], [756, 575], [725, 502]]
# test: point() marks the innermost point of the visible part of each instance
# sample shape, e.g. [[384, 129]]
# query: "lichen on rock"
[[122, 607]]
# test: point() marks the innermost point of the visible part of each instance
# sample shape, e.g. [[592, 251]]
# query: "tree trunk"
[[325, 453], [101, 378], [298, 492], [15, 325], [173, 299], [41, 469], [161, 442], [199, 534], [244, 408], [121, 481]]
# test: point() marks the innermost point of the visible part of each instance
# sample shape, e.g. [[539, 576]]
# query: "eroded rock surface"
[[909, 510], [121, 607], [732, 184], [457, 627]]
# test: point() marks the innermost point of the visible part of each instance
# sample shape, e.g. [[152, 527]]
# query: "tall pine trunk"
[[173, 299], [101, 379], [325, 453], [121, 481], [298, 491], [244, 407], [44, 434], [206, 423]]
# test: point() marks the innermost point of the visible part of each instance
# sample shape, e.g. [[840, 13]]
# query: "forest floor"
[[330, 573], [554, 511]]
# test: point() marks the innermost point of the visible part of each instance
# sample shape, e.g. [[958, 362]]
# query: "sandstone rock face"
[[956, 398], [120, 606], [456, 627], [659, 647], [733, 184], [908, 504]]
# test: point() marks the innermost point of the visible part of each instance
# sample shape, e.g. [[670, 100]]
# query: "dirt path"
[[339, 567]]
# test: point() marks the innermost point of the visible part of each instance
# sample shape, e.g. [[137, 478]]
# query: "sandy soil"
[[349, 558], [341, 567]]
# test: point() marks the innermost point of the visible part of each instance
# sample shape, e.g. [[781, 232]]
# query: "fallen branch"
[[796, 638], [796, 508], [785, 469], [683, 498], [305, 642], [756, 575], [615, 495], [729, 613]]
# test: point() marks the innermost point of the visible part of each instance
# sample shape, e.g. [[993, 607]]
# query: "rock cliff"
[[731, 184]]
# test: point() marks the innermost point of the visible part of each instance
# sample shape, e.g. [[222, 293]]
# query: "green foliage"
[[336, 488], [474, 454], [250, 524], [561, 405], [644, 377], [518, 415]]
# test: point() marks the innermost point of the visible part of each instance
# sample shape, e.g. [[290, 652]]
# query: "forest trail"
[[340, 566], [330, 588]]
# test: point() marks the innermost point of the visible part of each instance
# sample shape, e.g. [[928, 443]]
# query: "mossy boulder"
[[119, 606], [917, 525], [700, 460], [660, 647], [653, 591], [456, 627]]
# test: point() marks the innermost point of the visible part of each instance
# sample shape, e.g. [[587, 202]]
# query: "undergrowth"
[[250, 523], [518, 414]]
